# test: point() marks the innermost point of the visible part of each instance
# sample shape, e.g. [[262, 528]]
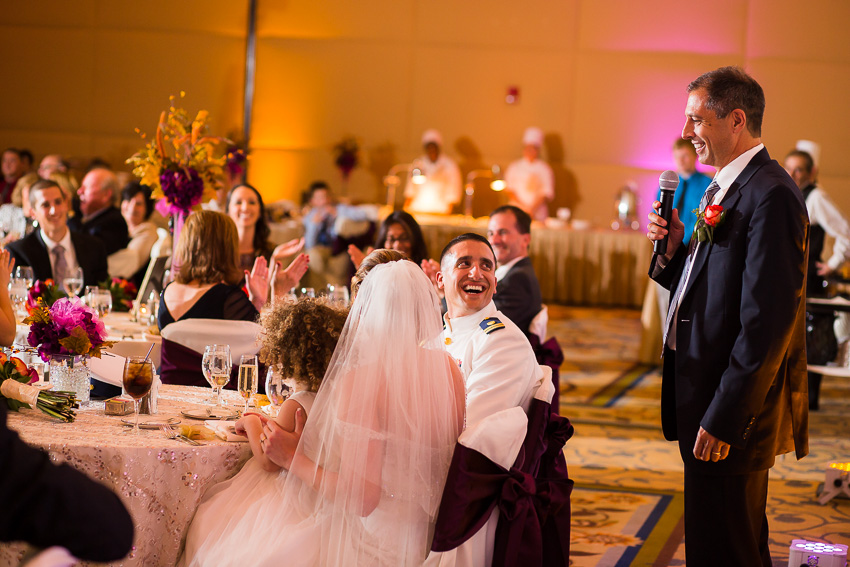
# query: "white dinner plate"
[[210, 413], [151, 422]]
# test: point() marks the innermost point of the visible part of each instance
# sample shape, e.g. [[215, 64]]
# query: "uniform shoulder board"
[[491, 324]]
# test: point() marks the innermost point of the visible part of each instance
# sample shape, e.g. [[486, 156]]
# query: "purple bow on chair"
[[533, 497]]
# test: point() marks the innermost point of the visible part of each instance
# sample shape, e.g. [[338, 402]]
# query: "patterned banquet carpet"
[[627, 505]]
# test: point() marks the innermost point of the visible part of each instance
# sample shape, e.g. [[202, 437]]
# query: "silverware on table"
[[171, 434]]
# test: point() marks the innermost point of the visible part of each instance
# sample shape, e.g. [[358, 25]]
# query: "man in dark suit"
[[734, 377], [100, 217], [47, 505], [53, 250], [517, 289]]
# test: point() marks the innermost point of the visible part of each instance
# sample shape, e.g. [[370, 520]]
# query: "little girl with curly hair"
[[298, 340]]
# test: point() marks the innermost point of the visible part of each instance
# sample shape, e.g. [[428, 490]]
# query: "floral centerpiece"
[[179, 165], [66, 334], [123, 293], [16, 393], [45, 290]]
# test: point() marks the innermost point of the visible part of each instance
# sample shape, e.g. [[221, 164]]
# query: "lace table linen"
[[160, 480]]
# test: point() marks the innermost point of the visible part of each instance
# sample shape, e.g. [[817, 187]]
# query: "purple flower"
[[183, 188], [64, 316]]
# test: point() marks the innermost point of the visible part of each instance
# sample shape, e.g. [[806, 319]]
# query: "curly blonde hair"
[[299, 338]]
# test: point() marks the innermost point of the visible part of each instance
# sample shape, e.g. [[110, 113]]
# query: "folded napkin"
[[225, 430]]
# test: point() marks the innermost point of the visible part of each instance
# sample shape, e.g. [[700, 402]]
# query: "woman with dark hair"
[[245, 206], [136, 208], [399, 232]]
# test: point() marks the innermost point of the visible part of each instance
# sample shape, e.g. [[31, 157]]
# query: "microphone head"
[[668, 181]]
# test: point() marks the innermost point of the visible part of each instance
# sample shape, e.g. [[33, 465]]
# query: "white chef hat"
[[432, 136], [811, 148], [532, 137]]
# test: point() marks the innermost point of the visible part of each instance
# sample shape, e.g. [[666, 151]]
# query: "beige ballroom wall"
[[604, 79]]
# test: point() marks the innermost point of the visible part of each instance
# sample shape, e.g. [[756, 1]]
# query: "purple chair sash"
[[182, 366], [533, 497], [550, 354]]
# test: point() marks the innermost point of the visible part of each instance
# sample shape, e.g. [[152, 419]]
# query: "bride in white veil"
[[366, 479]]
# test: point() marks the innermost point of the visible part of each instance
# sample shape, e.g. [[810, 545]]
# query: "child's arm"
[[252, 425]]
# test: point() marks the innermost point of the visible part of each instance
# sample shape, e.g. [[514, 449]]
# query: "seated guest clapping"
[[208, 283], [245, 206], [366, 478], [399, 232], [298, 340], [54, 251]]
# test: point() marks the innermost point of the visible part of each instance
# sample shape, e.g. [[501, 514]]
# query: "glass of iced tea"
[[138, 377]]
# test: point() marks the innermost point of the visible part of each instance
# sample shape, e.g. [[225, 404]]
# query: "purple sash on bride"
[[533, 497]]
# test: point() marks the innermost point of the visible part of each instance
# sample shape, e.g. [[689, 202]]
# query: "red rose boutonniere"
[[707, 221]]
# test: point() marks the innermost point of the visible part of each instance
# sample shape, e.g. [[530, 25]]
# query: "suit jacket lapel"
[[40, 257], [729, 201]]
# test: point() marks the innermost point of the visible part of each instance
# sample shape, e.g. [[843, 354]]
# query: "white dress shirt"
[[70, 254]]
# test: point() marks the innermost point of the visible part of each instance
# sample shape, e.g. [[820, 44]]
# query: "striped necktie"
[[709, 194], [60, 266]]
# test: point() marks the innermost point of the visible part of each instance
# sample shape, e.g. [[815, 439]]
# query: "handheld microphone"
[[668, 183]]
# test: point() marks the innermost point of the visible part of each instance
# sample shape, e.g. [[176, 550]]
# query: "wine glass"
[[73, 281], [208, 367], [90, 289], [278, 389], [248, 378], [138, 377], [338, 294], [308, 292], [18, 294], [101, 302], [216, 368], [25, 273]]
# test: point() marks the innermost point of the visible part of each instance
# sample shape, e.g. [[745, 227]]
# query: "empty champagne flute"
[[248, 378], [73, 281], [278, 389], [138, 377], [216, 365]]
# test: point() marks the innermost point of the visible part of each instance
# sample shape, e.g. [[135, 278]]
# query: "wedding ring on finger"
[[262, 438]]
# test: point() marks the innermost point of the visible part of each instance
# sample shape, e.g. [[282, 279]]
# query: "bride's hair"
[[375, 258], [299, 338]]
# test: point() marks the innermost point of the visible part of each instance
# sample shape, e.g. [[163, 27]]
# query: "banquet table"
[[595, 267], [160, 480]]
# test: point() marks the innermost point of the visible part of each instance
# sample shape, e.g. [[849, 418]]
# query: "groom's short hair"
[[462, 238]]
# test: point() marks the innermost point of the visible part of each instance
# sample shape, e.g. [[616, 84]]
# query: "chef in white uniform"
[[530, 181], [497, 362], [441, 189]]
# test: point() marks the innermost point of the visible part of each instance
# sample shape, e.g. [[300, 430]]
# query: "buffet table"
[[160, 480]]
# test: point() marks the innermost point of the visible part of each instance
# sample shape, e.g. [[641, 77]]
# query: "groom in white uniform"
[[497, 362]]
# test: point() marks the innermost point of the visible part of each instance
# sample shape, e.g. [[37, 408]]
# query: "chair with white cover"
[[183, 344]]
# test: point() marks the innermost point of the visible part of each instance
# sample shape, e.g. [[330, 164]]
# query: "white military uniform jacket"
[[500, 372]]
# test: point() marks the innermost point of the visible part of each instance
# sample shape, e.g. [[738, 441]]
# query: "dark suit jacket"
[[518, 294], [32, 251], [739, 369], [108, 226], [46, 505]]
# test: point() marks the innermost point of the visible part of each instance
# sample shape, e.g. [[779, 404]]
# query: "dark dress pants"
[[725, 520]]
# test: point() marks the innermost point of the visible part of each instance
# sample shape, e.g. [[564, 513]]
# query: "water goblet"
[[18, 294], [138, 377], [308, 292], [338, 294], [248, 378], [73, 281], [25, 273], [278, 389], [215, 365], [87, 294], [101, 302]]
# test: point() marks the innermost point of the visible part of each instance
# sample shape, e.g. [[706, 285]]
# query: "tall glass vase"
[[71, 374]]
